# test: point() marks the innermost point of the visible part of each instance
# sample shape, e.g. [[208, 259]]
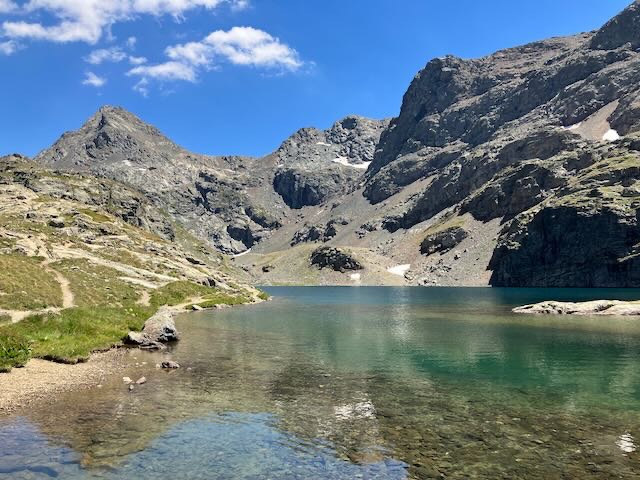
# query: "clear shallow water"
[[381, 383]]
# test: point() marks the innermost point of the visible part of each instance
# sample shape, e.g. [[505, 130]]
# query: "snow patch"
[[611, 136], [242, 254], [353, 411], [399, 269], [345, 162], [324, 144], [127, 163], [626, 444], [355, 277], [573, 127]]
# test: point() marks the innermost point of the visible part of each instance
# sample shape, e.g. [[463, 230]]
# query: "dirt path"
[[65, 286], [145, 299]]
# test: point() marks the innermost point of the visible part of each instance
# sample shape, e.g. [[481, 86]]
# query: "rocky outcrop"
[[569, 246], [159, 330], [318, 233], [597, 307], [443, 241], [335, 258], [586, 235], [112, 197]]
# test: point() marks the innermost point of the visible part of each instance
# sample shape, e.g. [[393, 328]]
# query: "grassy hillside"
[[76, 277]]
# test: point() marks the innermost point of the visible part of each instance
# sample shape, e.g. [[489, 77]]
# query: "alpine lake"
[[357, 383]]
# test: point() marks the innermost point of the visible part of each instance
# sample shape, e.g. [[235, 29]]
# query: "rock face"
[[597, 307], [334, 258]]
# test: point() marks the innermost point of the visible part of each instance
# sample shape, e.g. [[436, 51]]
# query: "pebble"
[[141, 381]]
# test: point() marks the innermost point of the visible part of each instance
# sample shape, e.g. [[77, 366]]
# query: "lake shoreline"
[[40, 379]]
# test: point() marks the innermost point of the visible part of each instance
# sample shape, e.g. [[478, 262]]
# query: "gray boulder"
[[157, 331]]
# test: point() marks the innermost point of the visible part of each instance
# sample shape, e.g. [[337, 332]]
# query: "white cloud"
[[142, 87], [94, 80], [131, 43], [194, 53], [249, 46], [102, 55], [7, 6], [137, 60], [8, 48], [87, 20], [239, 46], [166, 71]]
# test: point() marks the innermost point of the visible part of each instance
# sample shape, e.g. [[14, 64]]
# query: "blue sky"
[[239, 76]]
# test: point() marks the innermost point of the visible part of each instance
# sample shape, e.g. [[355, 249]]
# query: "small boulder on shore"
[[157, 331], [596, 307]]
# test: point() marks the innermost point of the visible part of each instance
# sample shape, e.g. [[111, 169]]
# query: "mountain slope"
[[513, 136], [84, 260], [233, 202], [476, 182]]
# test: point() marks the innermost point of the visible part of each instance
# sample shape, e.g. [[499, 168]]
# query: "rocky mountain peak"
[[112, 134], [620, 30]]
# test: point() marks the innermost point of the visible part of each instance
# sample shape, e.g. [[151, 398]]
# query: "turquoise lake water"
[[368, 382]]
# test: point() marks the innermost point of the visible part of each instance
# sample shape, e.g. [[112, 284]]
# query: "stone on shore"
[[157, 331], [596, 307]]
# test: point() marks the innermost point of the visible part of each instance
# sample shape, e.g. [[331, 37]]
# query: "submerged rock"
[[596, 307], [170, 365]]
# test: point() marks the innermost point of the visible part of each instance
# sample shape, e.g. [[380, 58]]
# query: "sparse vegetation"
[[95, 216], [25, 285], [97, 286]]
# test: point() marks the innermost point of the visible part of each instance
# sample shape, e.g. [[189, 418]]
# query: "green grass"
[[222, 298], [25, 285], [106, 312], [70, 336], [178, 292], [264, 295], [7, 242], [15, 351]]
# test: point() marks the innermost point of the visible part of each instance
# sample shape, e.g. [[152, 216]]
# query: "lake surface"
[[368, 382]]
